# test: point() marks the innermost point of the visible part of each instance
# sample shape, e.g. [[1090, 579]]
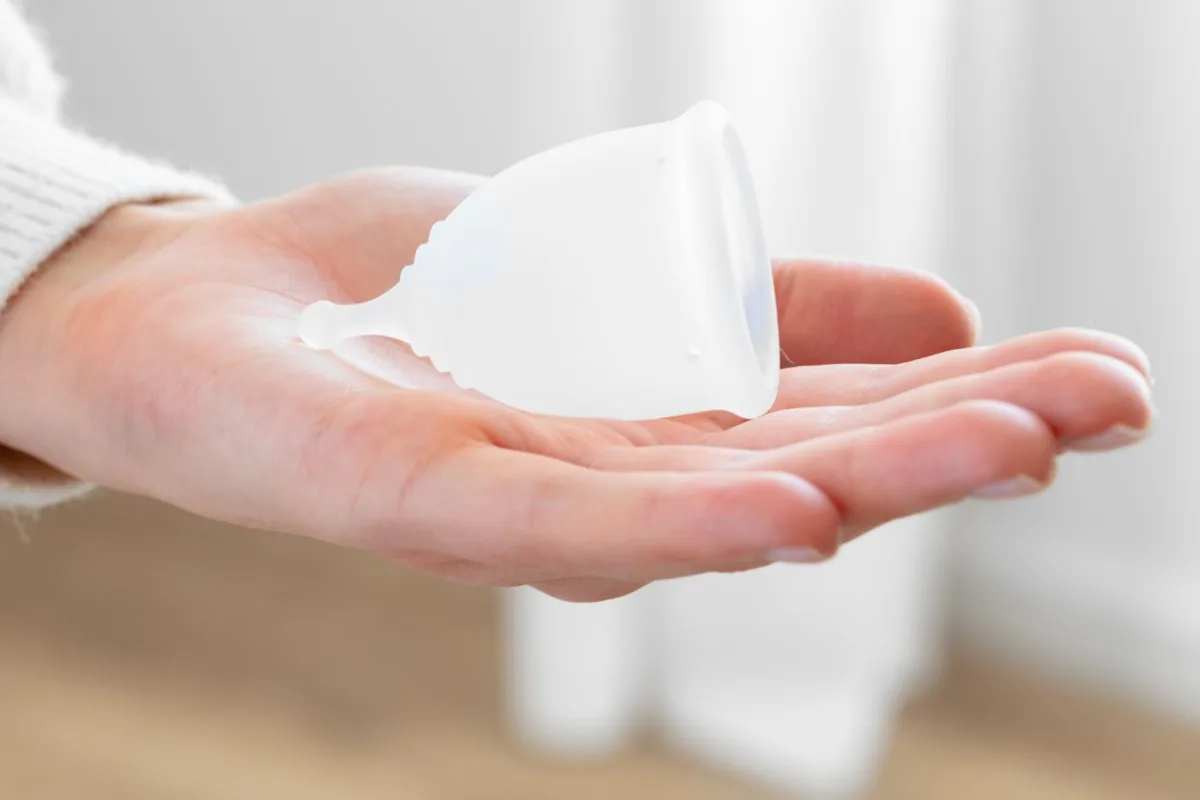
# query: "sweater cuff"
[[53, 184], [26, 483]]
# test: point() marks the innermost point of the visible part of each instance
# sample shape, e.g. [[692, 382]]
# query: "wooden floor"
[[147, 654]]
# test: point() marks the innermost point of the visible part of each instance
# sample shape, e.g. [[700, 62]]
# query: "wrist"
[[117, 237], [40, 337]]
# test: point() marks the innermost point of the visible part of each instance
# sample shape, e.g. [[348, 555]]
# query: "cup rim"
[[745, 267]]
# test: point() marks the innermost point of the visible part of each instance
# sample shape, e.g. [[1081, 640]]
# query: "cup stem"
[[324, 324]]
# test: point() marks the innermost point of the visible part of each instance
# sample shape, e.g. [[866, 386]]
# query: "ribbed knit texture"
[[54, 183]]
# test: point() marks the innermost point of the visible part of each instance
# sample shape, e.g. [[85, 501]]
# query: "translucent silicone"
[[623, 276]]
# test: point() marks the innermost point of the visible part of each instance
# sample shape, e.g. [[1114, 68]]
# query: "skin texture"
[[157, 355]]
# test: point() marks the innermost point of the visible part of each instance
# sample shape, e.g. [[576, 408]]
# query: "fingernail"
[[1020, 486], [1136, 354], [976, 316], [1119, 435], [796, 555]]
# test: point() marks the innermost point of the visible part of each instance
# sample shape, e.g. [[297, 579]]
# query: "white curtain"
[[1079, 205], [792, 674], [1039, 153]]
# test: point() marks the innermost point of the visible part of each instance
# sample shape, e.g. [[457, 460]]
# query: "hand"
[[157, 355]]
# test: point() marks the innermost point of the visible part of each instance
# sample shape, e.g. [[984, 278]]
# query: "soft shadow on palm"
[[394, 363]]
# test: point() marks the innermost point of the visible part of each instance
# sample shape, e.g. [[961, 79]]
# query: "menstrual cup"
[[623, 275]]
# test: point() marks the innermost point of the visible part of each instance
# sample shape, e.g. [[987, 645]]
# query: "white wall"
[[271, 94]]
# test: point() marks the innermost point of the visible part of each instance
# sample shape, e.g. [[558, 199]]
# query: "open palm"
[[171, 369]]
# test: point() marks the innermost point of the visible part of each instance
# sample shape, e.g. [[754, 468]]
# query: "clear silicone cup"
[[623, 275]]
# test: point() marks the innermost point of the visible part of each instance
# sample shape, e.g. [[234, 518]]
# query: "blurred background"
[[1040, 154]]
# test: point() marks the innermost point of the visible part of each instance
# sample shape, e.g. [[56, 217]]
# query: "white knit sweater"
[[54, 182]]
